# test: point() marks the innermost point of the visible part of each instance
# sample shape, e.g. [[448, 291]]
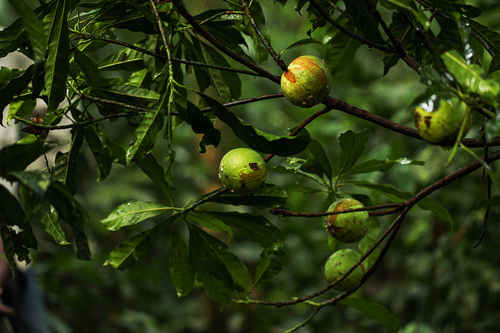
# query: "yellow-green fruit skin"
[[306, 81], [438, 121], [242, 171], [348, 227], [338, 264]]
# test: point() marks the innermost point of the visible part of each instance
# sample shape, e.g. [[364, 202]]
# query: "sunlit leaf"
[[131, 213], [51, 223]]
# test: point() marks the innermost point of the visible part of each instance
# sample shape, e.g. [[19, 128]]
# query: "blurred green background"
[[432, 279]]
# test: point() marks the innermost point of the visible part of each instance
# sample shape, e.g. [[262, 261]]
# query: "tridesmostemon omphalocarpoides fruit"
[[242, 171], [347, 227], [439, 119], [338, 264], [306, 81]]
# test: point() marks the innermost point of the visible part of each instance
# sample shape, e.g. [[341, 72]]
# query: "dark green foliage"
[[148, 103]]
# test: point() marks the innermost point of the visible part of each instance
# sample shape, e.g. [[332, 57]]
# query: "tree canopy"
[[128, 106]]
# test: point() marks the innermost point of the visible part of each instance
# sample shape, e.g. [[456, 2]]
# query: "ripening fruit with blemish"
[[306, 81], [242, 171], [338, 264], [438, 120], [347, 227]]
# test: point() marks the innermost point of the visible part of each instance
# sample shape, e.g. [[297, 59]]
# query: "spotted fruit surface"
[[338, 264], [438, 120], [348, 227], [306, 81], [242, 171]]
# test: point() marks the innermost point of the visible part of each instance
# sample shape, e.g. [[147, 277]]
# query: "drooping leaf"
[[92, 75], [211, 222], [150, 166], [65, 164], [215, 258], [256, 139], [364, 20], [340, 49], [380, 165], [20, 109], [14, 87], [57, 64], [181, 268], [98, 143], [131, 213], [51, 223], [373, 311], [299, 43], [258, 228], [352, 146], [33, 27], [12, 37], [267, 268]]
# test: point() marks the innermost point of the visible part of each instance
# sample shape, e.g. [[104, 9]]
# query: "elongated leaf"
[[51, 223], [92, 75], [131, 213], [470, 76], [150, 166], [12, 37], [352, 146], [34, 28], [216, 289], [267, 268], [317, 162], [441, 212], [258, 228], [14, 87], [181, 269], [213, 254], [211, 223], [491, 37], [17, 234], [98, 144], [7, 74], [65, 165], [199, 122], [132, 250], [364, 20], [57, 64], [20, 109], [340, 50], [373, 311], [123, 59], [267, 196], [125, 94], [256, 139], [380, 165], [299, 43], [146, 133], [368, 241]]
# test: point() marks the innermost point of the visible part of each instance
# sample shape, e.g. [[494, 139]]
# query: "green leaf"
[[13, 88], [57, 64], [51, 223], [373, 311], [470, 76], [340, 49], [65, 164], [441, 212], [299, 43], [211, 223], [199, 122], [489, 36], [98, 144], [387, 190], [34, 28], [380, 165], [7, 74], [267, 268], [92, 75], [268, 196], [18, 156], [122, 257], [368, 241], [364, 20], [147, 131], [181, 269], [131, 213], [17, 234], [150, 166], [352, 145], [127, 94], [256, 139], [213, 253], [257, 227], [12, 37], [20, 109]]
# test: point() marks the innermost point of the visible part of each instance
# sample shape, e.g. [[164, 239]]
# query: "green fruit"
[[242, 171], [439, 119], [348, 227], [306, 82], [338, 264]]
